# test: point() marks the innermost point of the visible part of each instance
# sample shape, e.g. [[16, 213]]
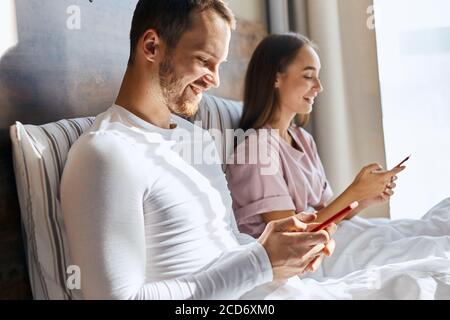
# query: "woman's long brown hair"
[[273, 54]]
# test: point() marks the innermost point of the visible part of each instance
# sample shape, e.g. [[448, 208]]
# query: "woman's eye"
[[307, 77]]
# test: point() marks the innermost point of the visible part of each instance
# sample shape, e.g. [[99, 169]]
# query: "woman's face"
[[299, 84]]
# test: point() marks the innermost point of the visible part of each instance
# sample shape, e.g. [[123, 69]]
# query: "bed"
[[374, 259], [380, 259]]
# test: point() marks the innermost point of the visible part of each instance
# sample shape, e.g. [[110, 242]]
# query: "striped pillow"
[[219, 114], [40, 153]]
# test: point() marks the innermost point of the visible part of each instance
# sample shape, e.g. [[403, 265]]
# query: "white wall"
[[252, 10]]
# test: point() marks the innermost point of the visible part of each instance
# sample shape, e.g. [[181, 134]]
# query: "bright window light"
[[413, 42], [8, 25]]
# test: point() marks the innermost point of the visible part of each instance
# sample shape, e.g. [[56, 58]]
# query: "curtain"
[[347, 121]]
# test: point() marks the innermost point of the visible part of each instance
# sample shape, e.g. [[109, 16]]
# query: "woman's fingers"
[[391, 175], [389, 192], [372, 168], [397, 170]]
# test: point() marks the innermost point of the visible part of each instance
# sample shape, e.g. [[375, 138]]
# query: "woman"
[[282, 82]]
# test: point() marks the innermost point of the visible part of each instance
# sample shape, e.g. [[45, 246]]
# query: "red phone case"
[[338, 216]]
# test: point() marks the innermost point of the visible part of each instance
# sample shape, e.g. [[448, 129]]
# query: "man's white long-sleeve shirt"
[[148, 214]]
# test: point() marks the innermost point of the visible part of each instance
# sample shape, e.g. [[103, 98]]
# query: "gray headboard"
[[68, 62]]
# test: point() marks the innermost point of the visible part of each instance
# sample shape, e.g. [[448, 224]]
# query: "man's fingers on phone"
[[329, 248], [314, 238], [315, 264], [331, 229], [306, 217], [316, 250], [290, 224], [307, 268], [312, 226]]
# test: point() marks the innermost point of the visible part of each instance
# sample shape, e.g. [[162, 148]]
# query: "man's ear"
[[151, 45]]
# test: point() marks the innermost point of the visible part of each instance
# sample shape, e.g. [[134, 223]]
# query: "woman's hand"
[[367, 185], [372, 185], [380, 199]]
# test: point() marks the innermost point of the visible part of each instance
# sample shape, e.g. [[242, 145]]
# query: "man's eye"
[[307, 77], [203, 60]]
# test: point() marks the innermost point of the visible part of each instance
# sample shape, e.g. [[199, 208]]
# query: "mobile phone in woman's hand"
[[403, 161]]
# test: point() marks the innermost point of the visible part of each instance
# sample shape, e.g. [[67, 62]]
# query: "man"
[[144, 223]]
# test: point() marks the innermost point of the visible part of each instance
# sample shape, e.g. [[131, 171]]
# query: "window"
[[413, 43]]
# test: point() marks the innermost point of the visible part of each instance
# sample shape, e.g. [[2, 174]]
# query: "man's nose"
[[213, 78]]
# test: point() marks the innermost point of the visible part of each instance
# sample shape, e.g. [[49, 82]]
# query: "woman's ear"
[[151, 45], [277, 81]]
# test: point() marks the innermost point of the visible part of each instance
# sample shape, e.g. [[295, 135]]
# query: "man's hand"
[[327, 251], [293, 250]]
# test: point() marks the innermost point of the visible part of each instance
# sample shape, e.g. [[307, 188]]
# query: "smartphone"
[[337, 217], [403, 161]]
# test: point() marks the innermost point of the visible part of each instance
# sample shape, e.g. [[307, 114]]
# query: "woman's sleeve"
[[102, 203], [327, 192], [255, 189]]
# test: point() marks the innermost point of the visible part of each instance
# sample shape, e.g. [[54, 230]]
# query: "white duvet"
[[379, 259]]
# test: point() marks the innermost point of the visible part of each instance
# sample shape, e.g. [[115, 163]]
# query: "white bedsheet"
[[379, 259]]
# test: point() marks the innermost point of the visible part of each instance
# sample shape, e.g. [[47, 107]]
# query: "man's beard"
[[174, 97]]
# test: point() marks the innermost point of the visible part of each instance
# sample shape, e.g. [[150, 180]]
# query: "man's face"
[[192, 67]]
